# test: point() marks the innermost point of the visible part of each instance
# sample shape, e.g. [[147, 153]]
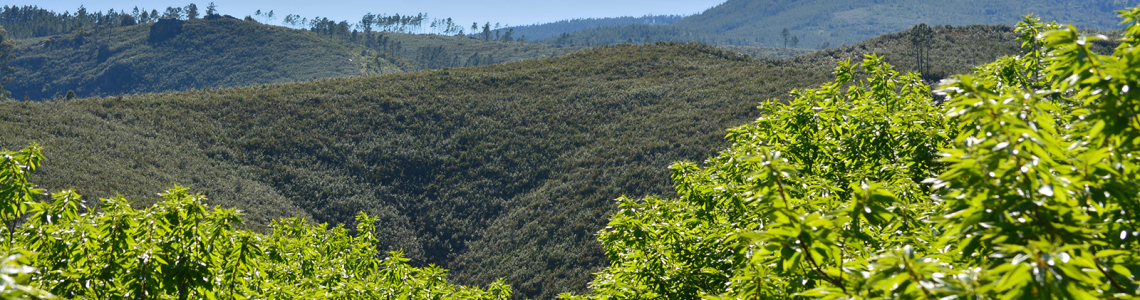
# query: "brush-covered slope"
[[817, 23], [501, 171], [441, 156], [553, 29], [221, 52], [431, 51]]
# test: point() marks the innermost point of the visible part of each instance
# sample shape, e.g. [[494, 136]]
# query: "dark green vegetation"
[[112, 54], [430, 51], [199, 53], [30, 21], [554, 29], [829, 23], [766, 52], [55, 247], [491, 172], [6, 56], [502, 171], [1022, 185]]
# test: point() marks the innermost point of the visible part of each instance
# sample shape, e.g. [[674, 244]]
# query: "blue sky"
[[513, 12]]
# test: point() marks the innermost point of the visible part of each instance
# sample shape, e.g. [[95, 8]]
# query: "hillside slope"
[[553, 29], [431, 51], [219, 53], [439, 155], [495, 171], [830, 23], [224, 52]]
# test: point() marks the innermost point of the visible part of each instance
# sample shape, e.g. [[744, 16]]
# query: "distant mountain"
[[830, 23]]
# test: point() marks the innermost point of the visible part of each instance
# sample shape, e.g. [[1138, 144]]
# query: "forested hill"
[[830, 23], [553, 29], [199, 53], [103, 55], [502, 171]]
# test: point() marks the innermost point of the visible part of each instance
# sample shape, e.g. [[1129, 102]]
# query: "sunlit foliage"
[[1023, 185], [181, 248]]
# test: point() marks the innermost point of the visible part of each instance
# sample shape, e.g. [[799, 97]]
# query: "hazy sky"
[[513, 12]]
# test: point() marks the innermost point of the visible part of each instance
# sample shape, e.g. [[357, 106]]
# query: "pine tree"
[[191, 11], [785, 34], [920, 37]]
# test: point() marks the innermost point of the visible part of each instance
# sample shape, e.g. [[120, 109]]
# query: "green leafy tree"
[[811, 182], [16, 193], [181, 248], [173, 13], [1024, 185], [920, 39], [366, 22], [192, 11]]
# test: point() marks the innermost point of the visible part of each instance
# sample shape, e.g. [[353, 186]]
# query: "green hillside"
[[439, 156], [553, 29], [224, 52], [217, 53], [431, 51], [502, 171], [827, 23]]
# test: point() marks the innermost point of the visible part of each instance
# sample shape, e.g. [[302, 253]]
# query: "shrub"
[[183, 248]]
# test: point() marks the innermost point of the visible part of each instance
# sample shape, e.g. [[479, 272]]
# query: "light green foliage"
[[16, 193], [810, 185], [181, 248], [1022, 186]]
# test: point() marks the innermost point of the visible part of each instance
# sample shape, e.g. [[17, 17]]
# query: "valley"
[[500, 160]]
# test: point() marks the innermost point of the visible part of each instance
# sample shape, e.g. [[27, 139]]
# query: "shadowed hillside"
[[199, 53], [222, 52]]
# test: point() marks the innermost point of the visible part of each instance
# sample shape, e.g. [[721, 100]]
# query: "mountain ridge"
[[826, 24]]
